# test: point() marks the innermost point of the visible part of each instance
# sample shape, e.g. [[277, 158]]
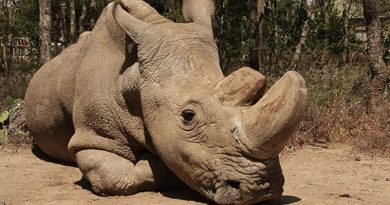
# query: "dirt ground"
[[314, 175]]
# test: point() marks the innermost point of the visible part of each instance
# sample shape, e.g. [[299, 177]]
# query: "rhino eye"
[[188, 116]]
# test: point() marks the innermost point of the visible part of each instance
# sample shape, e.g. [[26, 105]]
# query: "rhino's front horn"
[[268, 124]]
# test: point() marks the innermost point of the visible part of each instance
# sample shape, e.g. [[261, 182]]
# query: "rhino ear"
[[134, 16], [133, 26], [199, 11]]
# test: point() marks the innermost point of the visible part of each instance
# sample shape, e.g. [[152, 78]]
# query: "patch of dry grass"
[[337, 111]]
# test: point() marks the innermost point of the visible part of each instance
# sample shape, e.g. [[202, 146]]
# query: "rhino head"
[[220, 135]]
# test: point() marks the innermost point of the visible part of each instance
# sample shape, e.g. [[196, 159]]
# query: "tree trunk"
[[304, 35], [260, 37], [299, 46], [326, 21], [45, 29], [5, 63], [294, 17], [346, 9], [379, 75], [5, 38], [275, 33], [64, 30], [253, 55], [256, 8], [94, 13], [83, 15], [72, 32], [220, 28]]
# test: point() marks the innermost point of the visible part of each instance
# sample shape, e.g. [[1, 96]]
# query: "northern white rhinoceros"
[[141, 100]]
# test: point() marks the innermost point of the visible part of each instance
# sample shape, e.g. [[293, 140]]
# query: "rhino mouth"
[[265, 184]]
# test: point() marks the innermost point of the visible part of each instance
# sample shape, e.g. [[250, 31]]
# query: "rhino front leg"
[[111, 174]]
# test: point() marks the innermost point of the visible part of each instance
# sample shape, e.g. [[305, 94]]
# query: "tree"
[[63, 17], [5, 15], [45, 29], [379, 75], [83, 15], [256, 8], [326, 11], [305, 32], [346, 8], [72, 32]]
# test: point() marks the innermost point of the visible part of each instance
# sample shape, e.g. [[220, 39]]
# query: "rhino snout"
[[241, 188], [228, 193]]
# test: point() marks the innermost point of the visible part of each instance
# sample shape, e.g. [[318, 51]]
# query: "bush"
[[337, 112], [13, 129]]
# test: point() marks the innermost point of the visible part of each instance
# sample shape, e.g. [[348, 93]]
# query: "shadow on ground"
[[286, 199], [84, 184], [41, 155], [185, 193], [181, 193]]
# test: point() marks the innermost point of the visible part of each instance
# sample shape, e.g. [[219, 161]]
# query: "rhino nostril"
[[233, 184]]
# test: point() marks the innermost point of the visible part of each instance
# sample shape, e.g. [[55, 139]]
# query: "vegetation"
[[341, 47]]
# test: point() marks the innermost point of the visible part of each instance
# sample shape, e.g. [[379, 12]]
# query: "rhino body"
[[140, 103]]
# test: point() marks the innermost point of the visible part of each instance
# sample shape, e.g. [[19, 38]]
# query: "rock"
[[2, 203], [321, 140], [320, 145], [357, 158], [388, 179], [345, 196]]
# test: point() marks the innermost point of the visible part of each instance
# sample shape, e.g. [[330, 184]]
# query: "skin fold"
[[140, 103]]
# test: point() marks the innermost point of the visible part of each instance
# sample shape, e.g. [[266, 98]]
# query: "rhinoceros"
[[140, 103]]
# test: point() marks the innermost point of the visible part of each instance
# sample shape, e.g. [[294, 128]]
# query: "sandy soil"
[[334, 175]]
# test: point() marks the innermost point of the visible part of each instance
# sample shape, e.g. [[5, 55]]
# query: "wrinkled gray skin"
[[141, 100]]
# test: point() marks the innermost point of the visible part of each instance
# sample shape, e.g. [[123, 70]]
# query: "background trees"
[[265, 34]]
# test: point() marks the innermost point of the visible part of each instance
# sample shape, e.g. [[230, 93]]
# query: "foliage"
[[10, 102], [27, 20], [170, 9], [283, 28], [327, 35], [231, 30], [4, 116], [21, 19], [283, 20]]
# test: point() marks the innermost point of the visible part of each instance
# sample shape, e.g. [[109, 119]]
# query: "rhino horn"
[[199, 11], [265, 126], [269, 123], [242, 87]]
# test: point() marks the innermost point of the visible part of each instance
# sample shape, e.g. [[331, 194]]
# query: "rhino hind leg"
[[51, 128], [110, 174], [54, 144]]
